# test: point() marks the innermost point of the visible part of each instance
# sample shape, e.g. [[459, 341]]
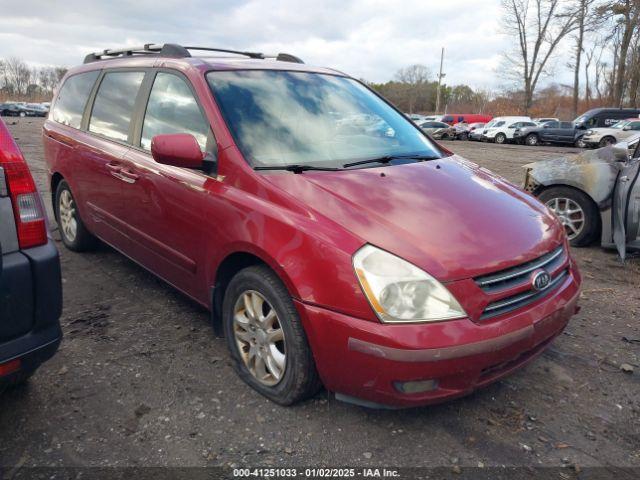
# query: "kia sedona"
[[378, 265], [30, 282]]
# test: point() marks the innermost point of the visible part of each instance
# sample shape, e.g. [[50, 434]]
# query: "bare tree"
[[18, 74], [589, 56], [626, 14], [539, 26], [413, 79], [586, 22]]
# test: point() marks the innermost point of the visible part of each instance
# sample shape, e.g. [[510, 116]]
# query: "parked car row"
[[596, 128], [22, 109]]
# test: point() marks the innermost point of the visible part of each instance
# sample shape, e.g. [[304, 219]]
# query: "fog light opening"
[[419, 386]]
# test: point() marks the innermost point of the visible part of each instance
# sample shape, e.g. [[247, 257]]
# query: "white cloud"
[[368, 39]]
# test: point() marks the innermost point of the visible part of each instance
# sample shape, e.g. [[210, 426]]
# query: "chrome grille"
[[519, 279]]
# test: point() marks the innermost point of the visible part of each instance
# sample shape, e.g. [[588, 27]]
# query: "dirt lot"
[[141, 380]]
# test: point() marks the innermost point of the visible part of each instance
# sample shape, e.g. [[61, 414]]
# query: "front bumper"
[[365, 360], [591, 141]]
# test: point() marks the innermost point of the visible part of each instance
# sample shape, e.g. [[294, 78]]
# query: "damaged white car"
[[595, 194]]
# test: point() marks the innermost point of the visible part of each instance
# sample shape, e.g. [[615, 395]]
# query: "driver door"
[[164, 204]]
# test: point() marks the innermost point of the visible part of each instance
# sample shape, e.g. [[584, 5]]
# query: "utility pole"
[[440, 77]]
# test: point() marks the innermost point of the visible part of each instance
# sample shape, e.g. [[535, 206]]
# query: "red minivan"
[[331, 250]]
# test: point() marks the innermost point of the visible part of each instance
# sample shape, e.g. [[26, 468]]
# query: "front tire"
[[576, 211], [579, 143], [73, 232], [606, 141], [266, 339], [531, 140], [500, 138]]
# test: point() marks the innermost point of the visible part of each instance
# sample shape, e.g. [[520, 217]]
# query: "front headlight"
[[399, 291], [590, 132]]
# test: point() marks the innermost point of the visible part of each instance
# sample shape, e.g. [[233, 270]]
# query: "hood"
[[448, 216], [604, 131]]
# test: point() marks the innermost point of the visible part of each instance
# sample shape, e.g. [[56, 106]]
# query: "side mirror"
[[178, 150], [626, 129], [621, 152]]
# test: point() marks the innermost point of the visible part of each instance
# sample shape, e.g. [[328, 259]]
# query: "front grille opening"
[[520, 276]]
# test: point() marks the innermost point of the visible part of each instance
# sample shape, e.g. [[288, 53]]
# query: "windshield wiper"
[[297, 168], [389, 158]]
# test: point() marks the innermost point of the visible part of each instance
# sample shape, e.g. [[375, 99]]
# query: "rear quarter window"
[[73, 97], [113, 106]]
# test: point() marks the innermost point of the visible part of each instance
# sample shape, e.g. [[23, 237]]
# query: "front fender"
[[593, 172]]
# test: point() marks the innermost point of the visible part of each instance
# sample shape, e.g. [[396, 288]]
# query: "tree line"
[[602, 42], [21, 82], [598, 41]]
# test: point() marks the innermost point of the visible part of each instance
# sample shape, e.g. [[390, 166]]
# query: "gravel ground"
[[141, 380]]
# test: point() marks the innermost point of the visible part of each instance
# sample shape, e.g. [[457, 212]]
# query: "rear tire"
[[500, 138], [298, 379], [591, 223], [73, 232]]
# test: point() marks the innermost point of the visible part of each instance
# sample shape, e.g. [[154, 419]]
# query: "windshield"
[[282, 118], [619, 125]]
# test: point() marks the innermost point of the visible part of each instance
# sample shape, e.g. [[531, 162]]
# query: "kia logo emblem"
[[541, 280]]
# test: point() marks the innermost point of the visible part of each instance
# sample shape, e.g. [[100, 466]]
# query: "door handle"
[[114, 168], [128, 176], [624, 178]]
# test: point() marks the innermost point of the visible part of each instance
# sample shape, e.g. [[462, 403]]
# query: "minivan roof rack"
[[173, 50]]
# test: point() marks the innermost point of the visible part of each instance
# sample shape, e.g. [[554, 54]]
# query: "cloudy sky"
[[369, 39]]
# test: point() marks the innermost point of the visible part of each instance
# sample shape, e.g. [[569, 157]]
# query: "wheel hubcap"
[[569, 213], [67, 216], [259, 337]]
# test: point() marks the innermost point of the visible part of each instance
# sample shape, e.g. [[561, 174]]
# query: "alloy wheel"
[[259, 337], [570, 214], [67, 216], [532, 140]]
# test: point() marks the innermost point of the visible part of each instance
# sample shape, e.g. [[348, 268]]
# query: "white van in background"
[[500, 129]]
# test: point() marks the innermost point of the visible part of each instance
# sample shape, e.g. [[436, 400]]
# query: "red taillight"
[[28, 213], [9, 367]]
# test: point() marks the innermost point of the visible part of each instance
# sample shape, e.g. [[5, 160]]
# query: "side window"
[[567, 125], [113, 106], [635, 125], [72, 99], [172, 109]]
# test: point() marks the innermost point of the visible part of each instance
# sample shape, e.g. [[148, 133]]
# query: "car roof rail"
[[178, 51]]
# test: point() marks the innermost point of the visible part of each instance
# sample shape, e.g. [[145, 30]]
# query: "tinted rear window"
[[113, 106], [72, 99]]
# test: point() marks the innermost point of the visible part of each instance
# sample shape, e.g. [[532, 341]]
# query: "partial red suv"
[[334, 243]]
